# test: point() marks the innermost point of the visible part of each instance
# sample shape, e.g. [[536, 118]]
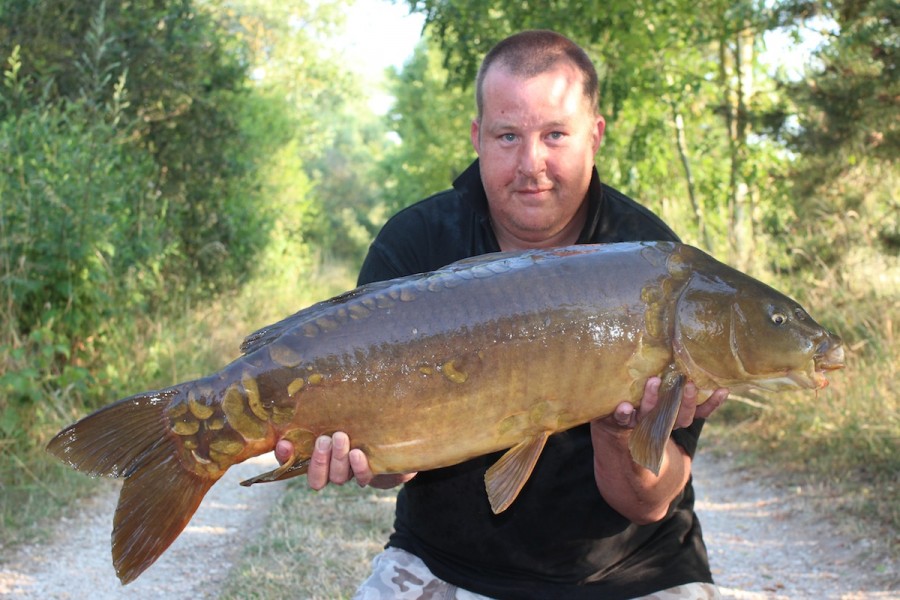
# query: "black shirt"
[[559, 539]]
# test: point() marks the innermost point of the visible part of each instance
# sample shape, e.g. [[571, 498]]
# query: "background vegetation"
[[177, 172]]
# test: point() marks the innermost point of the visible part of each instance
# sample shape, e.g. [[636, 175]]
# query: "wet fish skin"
[[427, 371]]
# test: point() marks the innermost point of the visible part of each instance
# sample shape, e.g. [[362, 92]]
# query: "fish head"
[[736, 332]]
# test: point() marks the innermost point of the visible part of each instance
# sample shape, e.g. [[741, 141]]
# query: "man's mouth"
[[532, 191]]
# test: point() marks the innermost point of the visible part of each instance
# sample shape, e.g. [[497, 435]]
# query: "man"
[[591, 523]]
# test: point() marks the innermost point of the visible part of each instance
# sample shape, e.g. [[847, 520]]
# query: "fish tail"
[[130, 439]]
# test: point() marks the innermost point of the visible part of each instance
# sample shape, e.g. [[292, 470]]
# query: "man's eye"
[[508, 137], [557, 135]]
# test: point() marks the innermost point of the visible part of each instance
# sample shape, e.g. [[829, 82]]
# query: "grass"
[[316, 545]]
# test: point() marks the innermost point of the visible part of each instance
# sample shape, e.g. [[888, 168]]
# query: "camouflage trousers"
[[399, 575]]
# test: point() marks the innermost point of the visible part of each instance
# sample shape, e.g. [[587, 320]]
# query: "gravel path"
[[763, 541], [78, 565]]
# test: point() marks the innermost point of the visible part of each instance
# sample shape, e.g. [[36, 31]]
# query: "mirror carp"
[[422, 372]]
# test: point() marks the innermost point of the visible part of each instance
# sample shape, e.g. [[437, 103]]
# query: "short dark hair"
[[532, 52]]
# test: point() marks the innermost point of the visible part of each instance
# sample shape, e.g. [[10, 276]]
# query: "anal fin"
[[648, 440], [303, 441], [291, 468], [506, 477]]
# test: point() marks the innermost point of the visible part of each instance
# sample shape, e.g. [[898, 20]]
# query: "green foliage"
[[847, 138], [134, 157], [185, 80], [334, 139], [72, 222], [79, 244], [36, 374], [347, 187], [852, 88], [432, 117]]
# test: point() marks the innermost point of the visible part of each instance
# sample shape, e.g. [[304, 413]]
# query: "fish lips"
[[830, 358]]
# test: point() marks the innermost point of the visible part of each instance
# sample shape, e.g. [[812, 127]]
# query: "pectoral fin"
[[648, 440], [505, 478]]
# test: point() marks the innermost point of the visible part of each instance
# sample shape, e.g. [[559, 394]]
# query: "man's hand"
[[333, 461], [626, 416], [632, 490]]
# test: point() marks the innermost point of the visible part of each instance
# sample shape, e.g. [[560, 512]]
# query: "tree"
[[431, 117], [846, 136], [321, 185], [850, 93], [185, 81]]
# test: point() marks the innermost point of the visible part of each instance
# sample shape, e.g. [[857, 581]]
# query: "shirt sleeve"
[[687, 437], [380, 265], [420, 238]]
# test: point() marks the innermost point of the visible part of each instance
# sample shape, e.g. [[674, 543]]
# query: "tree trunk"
[[681, 143], [736, 71]]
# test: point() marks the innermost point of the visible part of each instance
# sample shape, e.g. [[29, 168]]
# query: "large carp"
[[430, 370]]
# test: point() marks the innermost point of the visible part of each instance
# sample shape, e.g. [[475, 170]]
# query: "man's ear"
[[600, 128], [475, 133]]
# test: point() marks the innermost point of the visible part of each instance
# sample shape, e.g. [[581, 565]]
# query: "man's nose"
[[532, 158]]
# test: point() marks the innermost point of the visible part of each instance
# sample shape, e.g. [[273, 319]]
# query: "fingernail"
[[323, 443]]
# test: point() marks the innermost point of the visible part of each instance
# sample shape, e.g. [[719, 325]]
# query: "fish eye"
[[778, 318]]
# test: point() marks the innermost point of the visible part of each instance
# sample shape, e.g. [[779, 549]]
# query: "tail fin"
[[159, 496]]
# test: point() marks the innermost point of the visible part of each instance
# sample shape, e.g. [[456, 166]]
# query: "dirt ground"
[[767, 541], [764, 543]]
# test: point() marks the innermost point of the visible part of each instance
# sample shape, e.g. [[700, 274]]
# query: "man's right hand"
[[333, 461]]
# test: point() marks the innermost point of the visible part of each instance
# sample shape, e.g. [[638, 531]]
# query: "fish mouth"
[[830, 358]]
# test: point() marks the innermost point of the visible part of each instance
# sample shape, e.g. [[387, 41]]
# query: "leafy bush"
[[107, 216], [77, 216]]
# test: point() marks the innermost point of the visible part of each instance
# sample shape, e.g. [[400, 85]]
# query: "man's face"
[[536, 143]]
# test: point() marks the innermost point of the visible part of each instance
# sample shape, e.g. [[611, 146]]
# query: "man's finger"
[[283, 451], [624, 415], [715, 401], [339, 471], [688, 406], [359, 464], [319, 462], [651, 394]]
